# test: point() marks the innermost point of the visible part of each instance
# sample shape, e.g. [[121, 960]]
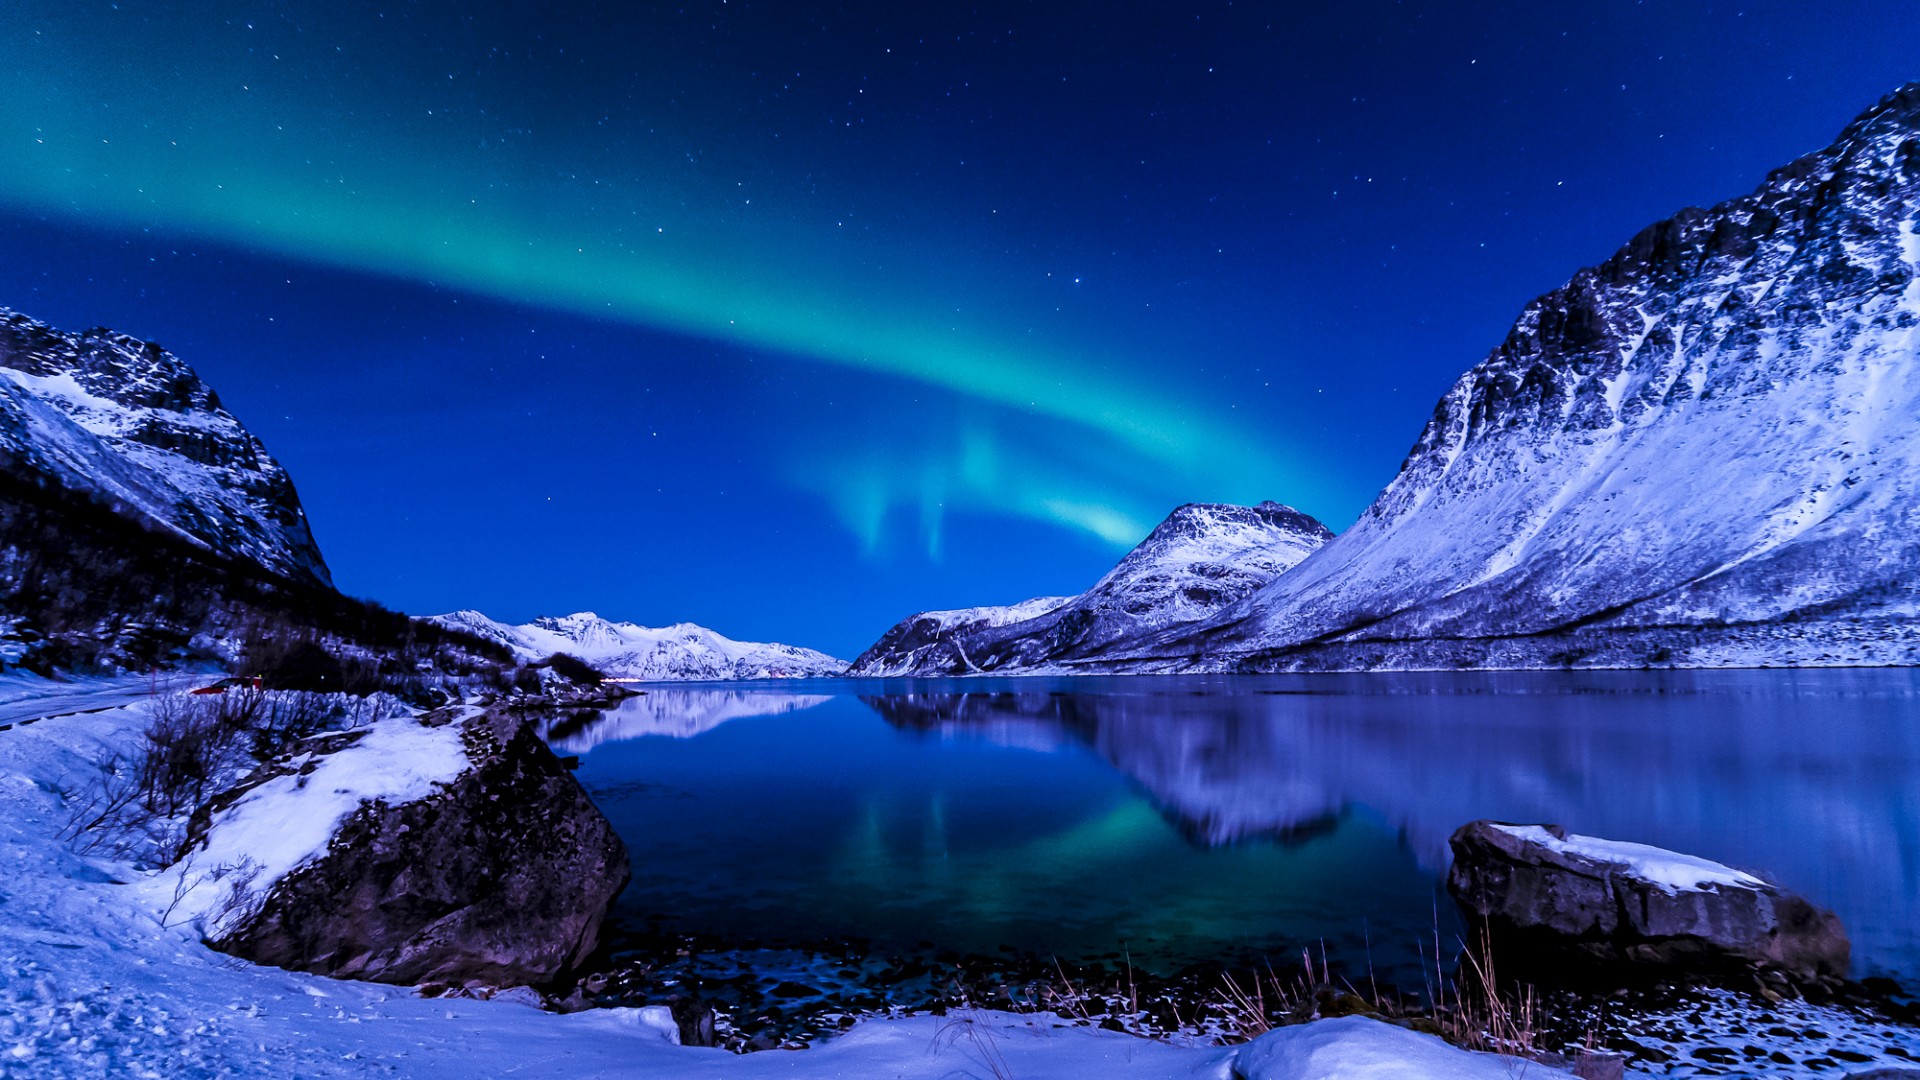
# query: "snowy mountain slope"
[[1203, 557], [1704, 450], [629, 651], [133, 427], [904, 647]]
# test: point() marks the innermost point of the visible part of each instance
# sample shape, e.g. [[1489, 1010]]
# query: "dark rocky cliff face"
[[142, 525], [1705, 450], [501, 878], [132, 426]]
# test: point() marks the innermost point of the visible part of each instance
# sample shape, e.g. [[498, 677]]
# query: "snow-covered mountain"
[[1203, 557], [132, 427], [629, 651], [909, 642], [1705, 450]]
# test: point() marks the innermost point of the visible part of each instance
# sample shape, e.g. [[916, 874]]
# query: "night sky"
[[794, 319]]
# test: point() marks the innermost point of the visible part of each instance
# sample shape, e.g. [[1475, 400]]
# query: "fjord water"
[[1191, 820]]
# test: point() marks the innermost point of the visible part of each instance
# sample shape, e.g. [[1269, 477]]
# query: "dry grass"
[[1482, 1016], [978, 1037], [980, 1041], [1469, 1007]]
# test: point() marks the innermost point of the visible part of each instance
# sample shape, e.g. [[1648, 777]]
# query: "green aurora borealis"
[[402, 177]]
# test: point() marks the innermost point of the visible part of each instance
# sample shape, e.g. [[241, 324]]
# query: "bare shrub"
[[237, 905], [195, 745], [284, 718], [95, 811], [186, 741]]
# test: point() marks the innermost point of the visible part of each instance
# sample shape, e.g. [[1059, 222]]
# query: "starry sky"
[[792, 319]]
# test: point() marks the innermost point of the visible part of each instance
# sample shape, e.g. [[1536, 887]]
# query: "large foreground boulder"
[[451, 849], [1613, 902]]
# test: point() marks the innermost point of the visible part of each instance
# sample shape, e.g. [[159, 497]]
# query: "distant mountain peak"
[[1202, 557], [680, 652]]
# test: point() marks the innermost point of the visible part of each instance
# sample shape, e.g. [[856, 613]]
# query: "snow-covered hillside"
[[1203, 557], [905, 646], [131, 426], [1704, 450], [630, 651]]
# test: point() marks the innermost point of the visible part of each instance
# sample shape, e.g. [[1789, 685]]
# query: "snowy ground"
[[1726, 1034], [95, 980]]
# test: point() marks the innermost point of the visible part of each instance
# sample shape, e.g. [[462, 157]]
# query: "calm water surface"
[[1183, 820]]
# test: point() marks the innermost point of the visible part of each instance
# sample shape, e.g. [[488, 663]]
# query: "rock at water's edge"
[[1612, 903], [501, 877]]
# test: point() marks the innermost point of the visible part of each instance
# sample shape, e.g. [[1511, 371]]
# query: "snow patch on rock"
[[280, 825], [1671, 871]]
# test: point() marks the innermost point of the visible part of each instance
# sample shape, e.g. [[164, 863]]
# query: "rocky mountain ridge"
[[1703, 451], [901, 649], [143, 526], [1202, 558], [681, 652], [131, 426]]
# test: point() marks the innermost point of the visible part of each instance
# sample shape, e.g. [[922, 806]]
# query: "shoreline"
[[768, 996]]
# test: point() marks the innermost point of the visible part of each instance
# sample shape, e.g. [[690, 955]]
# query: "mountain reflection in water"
[[676, 713], [1810, 777]]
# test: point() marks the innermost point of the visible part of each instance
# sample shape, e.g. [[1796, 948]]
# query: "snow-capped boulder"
[[1202, 558], [451, 849], [1703, 451], [682, 652], [1616, 902], [131, 426]]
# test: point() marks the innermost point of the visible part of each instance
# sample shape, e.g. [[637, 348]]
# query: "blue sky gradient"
[[792, 321]]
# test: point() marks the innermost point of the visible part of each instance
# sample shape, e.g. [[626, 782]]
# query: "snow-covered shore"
[[96, 980]]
